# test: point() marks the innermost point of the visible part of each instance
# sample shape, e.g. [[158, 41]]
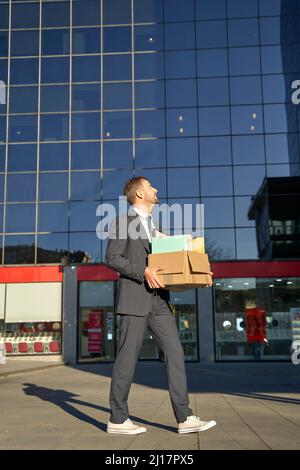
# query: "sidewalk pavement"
[[256, 406]]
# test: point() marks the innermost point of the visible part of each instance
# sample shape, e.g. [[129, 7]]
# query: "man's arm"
[[115, 255]]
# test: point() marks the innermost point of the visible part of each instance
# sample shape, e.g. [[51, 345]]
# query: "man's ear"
[[139, 194]]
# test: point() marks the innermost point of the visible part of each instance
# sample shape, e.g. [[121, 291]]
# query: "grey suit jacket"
[[129, 257]]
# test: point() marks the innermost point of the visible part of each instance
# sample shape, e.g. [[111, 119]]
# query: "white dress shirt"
[[143, 216]]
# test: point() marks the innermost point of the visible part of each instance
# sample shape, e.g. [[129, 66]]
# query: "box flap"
[[173, 263], [199, 262]]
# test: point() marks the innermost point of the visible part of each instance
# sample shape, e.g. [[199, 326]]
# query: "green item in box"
[[169, 244]]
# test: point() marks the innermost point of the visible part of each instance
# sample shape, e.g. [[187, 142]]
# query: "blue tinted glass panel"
[[150, 153], [181, 122], [245, 90], [21, 187], [117, 39], [117, 96], [218, 212], [212, 63], [55, 41], [4, 16], [248, 149], [149, 66], [241, 205], [86, 97], [117, 125], [279, 170], [25, 15], [150, 124], [116, 11], [2, 129], [3, 44], [52, 217], [54, 127], [2, 157], [20, 218], [113, 183], [214, 121], [211, 34], [274, 89], [150, 94], [1, 188], [179, 36], [270, 7], [176, 10], [3, 70], [1, 220], [270, 31], [54, 156], [24, 71], [243, 32], [220, 244], [87, 242], [52, 248], [278, 147], [19, 249], [118, 155], [247, 119], [148, 11], [83, 216], [216, 181], [117, 67], [244, 61], [215, 150], [148, 38], [280, 118], [55, 70], [86, 69], [22, 157], [53, 186], [86, 13], [54, 98], [23, 99], [189, 182], [248, 179], [246, 246], [213, 91], [157, 179], [271, 58], [238, 9], [86, 185], [24, 43], [55, 14], [86, 126], [91, 152], [23, 128], [182, 152], [86, 40], [214, 9], [180, 64], [181, 93]]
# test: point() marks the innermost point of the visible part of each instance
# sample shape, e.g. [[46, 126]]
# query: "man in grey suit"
[[143, 302]]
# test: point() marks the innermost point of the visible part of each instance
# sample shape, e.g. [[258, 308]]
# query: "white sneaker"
[[124, 428], [194, 424]]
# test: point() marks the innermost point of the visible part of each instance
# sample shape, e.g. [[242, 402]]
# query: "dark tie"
[[151, 230]]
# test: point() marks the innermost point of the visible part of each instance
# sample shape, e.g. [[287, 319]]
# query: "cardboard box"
[[182, 270]]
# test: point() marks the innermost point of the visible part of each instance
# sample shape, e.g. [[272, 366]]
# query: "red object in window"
[[23, 347], [54, 346], [38, 347], [256, 325], [8, 347]]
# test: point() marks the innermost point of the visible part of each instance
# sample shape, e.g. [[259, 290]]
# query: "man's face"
[[150, 193]]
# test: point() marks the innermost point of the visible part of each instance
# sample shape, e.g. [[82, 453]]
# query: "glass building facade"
[[196, 95]]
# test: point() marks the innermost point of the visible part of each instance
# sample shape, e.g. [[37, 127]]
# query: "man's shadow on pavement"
[[64, 400]]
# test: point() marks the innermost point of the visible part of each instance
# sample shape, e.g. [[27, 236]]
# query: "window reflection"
[[117, 96], [237, 9], [181, 122], [220, 244], [248, 149], [150, 124], [246, 247], [180, 64], [19, 249], [117, 155], [116, 11], [85, 185], [189, 182], [54, 127], [179, 36], [241, 205], [247, 119], [52, 217], [247, 179], [4, 16], [181, 93], [212, 63], [88, 243], [23, 128], [270, 30], [86, 126], [277, 148], [86, 40], [149, 66], [182, 152], [117, 39], [216, 181], [243, 32], [218, 212], [54, 156], [24, 71], [176, 10], [213, 91], [83, 16], [117, 125], [86, 69], [22, 157], [245, 90], [86, 97], [2, 157], [50, 16], [150, 153], [215, 151], [244, 61], [91, 152], [117, 67], [214, 9], [54, 98], [211, 34], [83, 216], [24, 43], [113, 183], [53, 186], [148, 38], [25, 15], [52, 248], [23, 99], [55, 69], [55, 41], [3, 44], [20, 218], [148, 11], [271, 59], [274, 88], [150, 94], [214, 121], [280, 118]]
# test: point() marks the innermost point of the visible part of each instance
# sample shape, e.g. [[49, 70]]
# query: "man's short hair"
[[132, 186]]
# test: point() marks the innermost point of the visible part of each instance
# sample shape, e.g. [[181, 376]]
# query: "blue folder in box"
[[170, 244]]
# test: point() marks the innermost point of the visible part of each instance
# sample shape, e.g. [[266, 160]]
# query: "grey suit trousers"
[[162, 326]]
